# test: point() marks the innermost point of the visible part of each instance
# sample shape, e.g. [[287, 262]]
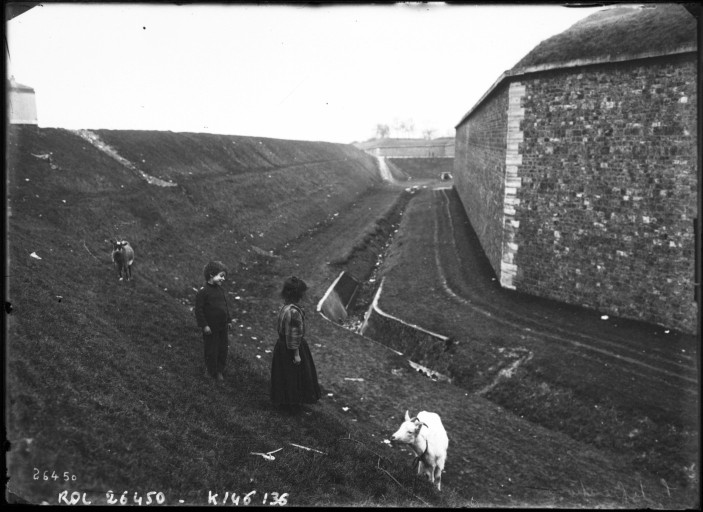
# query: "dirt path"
[[385, 171], [642, 357]]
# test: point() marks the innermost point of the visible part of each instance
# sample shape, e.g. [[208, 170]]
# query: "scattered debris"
[[267, 455], [306, 448], [428, 372], [86, 248]]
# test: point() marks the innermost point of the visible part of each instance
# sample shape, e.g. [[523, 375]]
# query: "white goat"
[[122, 257], [426, 436]]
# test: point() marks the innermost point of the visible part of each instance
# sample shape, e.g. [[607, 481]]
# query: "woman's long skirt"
[[293, 384]]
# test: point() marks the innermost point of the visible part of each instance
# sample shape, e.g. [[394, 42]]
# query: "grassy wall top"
[[616, 32]]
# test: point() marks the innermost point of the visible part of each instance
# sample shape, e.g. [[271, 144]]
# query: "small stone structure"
[[22, 103], [580, 181]]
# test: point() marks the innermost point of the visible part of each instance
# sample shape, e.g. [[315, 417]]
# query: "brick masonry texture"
[[608, 187], [479, 172]]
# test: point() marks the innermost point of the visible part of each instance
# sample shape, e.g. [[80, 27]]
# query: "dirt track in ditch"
[[641, 361]]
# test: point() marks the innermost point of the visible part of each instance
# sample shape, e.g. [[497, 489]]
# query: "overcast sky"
[[307, 73]]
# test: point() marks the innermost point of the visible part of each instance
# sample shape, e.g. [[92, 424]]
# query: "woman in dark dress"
[[293, 373]]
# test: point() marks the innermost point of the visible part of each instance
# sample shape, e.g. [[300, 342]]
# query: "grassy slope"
[[619, 31], [104, 378]]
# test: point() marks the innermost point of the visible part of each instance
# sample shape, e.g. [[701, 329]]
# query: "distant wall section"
[[479, 171], [423, 168]]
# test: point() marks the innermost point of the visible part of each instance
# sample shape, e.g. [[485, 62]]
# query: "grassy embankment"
[[104, 377]]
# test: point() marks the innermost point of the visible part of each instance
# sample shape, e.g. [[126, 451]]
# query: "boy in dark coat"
[[214, 318]]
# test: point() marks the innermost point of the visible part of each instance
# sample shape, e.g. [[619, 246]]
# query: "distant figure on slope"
[[214, 318], [293, 374]]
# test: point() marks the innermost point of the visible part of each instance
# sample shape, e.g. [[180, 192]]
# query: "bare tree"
[[382, 131], [427, 133], [398, 126], [409, 127], [405, 127]]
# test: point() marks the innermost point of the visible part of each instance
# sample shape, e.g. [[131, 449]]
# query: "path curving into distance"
[[652, 362]]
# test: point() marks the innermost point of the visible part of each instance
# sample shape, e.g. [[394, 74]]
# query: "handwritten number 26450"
[[39, 475]]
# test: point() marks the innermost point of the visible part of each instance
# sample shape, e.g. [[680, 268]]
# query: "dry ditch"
[[352, 299]]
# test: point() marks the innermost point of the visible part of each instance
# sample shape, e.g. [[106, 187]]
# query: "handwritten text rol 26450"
[[126, 498]]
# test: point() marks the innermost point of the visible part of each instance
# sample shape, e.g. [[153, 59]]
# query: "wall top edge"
[[607, 59]]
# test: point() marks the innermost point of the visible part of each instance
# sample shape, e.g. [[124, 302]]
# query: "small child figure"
[[213, 317]]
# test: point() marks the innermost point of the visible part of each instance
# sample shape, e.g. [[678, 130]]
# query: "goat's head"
[[118, 244], [408, 431]]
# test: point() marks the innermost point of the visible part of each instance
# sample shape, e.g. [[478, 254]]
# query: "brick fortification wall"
[[608, 193], [607, 187], [479, 171]]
